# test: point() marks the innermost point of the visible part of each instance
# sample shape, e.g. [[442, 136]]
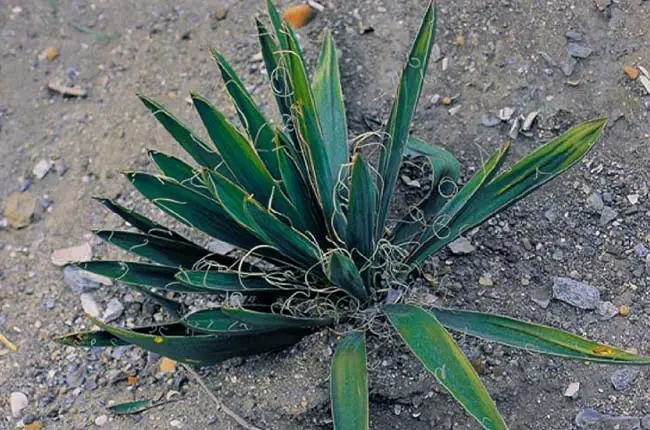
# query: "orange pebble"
[[299, 16], [631, 72]]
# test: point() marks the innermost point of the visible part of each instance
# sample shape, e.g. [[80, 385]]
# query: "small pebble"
[[624, 378], [19, 209], [583, 296], [42, 168], [89, 305], [624, 310], [579, 51], [300, 15], [506, 113], [572, 390], [631, 72], [114, 310], [51, 53], [101, 420], [73, 254], [461, 246]]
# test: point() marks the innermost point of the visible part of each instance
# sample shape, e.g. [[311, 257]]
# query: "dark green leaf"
[[90, 339], [524, 177], [342, 273], [432, 345], [445, 171], [275, 321], [234, 282], [159, 249], [401, 115], [349, 384], [186, 345], [362, 209], [259, 130], [219, 321], [195, 147], [141, 222], [192, 209], [130, 408], [143, 275], [259, 221], [240, 156], [328, 98], [176, 169], [533, 337]]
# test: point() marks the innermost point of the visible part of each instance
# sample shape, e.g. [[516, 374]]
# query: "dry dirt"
[[161, 48]]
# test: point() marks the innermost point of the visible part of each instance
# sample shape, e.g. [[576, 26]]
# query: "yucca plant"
[[309, 222]]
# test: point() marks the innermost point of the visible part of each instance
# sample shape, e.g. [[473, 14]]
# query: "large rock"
[[583, 296]]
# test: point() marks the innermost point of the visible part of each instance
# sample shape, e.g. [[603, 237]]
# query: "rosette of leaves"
[[307, 214]]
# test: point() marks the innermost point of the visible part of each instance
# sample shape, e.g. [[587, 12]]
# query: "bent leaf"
[[437, 351], [349, 384], [533, 337]]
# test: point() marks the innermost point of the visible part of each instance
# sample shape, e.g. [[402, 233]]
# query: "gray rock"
[[574, 36], [549, 60], [646, 103], [594, 420], [569, 65], [607, 310], [607, 215], [623, 379], [641, 251], [576, 293], [595, 202], [579, 51], [645, 422], [436, 54], [113, 311], [76, 376], [77, 282], [489, 120], [461, 246]]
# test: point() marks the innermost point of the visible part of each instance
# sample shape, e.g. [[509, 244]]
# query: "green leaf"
[[192, 144], [217, 320], [300, 193], [270, 230], [275, 321], [362, 209], [349, 384], [445, 171], [439, 227], [342, 273], [259, 130], [533, 337], [234, 282], [130, 408], [158, 249], [143, 275], [401, 115], [186, 345], [192, 209], [311, 137], [181, 172], [90, 339], [328, 98], [525, 176], [280, 85], [434, 347], [276, 20], [141, 222]]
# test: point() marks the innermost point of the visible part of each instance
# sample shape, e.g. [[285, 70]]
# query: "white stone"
[[101, 420], [572, 390], [41, 168], [89, 305], [17, 402]]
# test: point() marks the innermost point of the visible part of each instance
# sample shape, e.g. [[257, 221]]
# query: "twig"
[[8, 344], [232, 414]]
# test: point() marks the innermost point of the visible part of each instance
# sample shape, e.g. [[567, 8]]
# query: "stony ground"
[[562, 59]]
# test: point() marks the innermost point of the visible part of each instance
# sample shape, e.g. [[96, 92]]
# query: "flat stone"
[[461, 246], [74, 254], [42, 168], [569, 65], [101, 420], [576, 293], [594, 420], [76, 376], [574, 36], [89, 305], [489, 120], [19, 209], [506, 113], [114, 310], [595, 201], [579, 51], [79, 281], [623, 379], [607, 215], [17, 402]]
